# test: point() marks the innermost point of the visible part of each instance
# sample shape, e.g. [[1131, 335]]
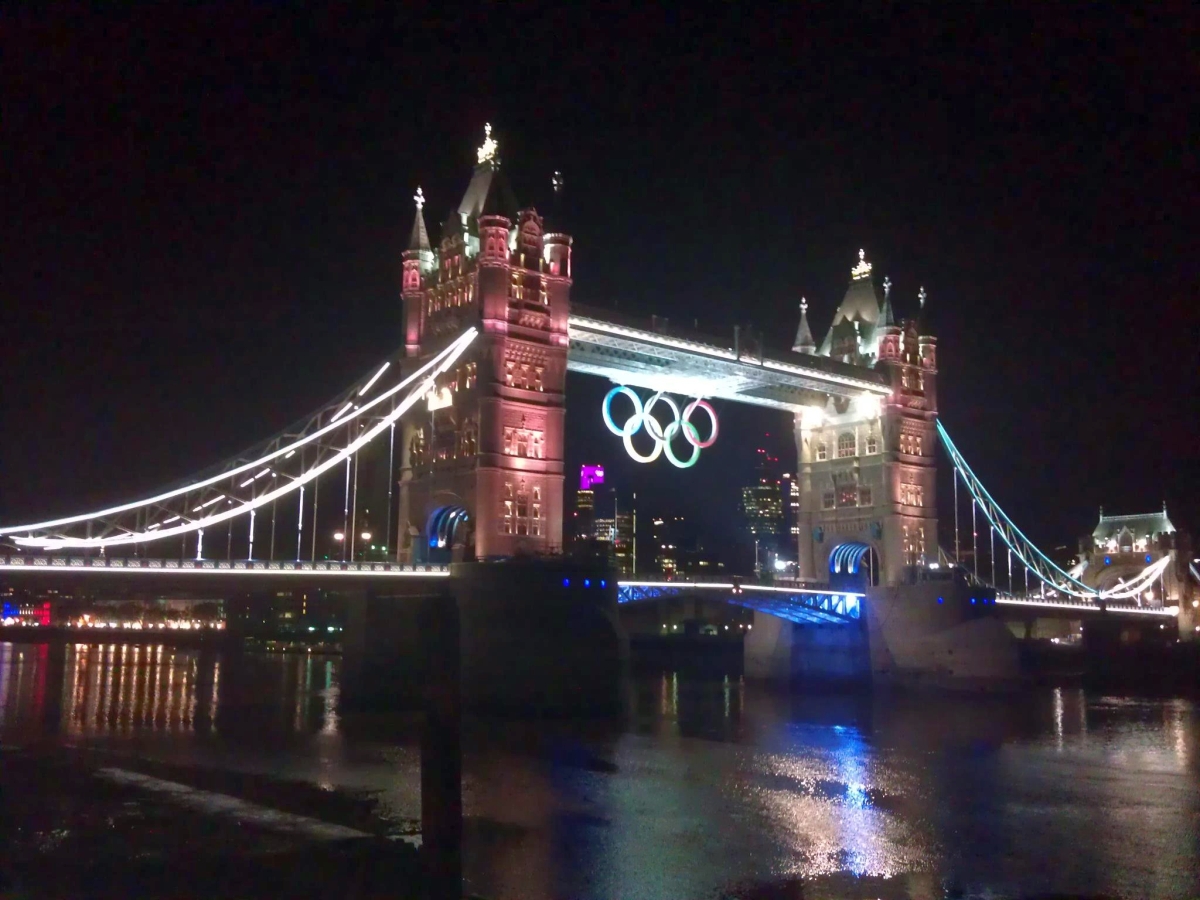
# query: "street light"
[[339, 536], [366, 535]]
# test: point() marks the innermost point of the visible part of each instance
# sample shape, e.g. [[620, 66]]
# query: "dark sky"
[[203, 214]]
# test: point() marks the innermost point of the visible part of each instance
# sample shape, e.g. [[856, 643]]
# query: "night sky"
[[203, 215]]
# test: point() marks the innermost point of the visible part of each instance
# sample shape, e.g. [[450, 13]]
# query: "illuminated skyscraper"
[[763, 501], [585, 502]]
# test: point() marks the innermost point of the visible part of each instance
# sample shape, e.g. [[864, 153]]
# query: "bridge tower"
[[867, 469], [482, 474]]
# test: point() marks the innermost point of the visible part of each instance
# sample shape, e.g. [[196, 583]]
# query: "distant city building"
[[617, 532], [585, 501], [763, 501]]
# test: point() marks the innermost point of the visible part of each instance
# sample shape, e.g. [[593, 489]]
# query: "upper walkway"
[[650, 353]]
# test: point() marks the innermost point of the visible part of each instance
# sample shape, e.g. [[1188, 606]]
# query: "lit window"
[[847, 496], [822, 451], [872, 444], [845, 444]]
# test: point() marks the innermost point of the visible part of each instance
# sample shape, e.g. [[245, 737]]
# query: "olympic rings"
[[660, 434]]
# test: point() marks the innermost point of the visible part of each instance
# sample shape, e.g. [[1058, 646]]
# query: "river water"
[[709, 788]]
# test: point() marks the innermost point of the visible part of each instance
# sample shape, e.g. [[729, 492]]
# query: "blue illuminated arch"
[[845, 559], [442, 525]]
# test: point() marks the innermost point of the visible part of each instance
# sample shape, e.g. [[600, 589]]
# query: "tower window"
[[845, 444], [872, 444], [847, 496], [822, 451], [864, 496], [828, 500]]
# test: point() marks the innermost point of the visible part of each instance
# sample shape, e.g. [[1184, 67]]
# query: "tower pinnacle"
[[886, 317], [487, 150], [922, 297], [419, 240], [862, 268], [804, 342]]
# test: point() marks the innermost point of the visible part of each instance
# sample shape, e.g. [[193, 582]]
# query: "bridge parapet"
[[820, 606], [117, 565]]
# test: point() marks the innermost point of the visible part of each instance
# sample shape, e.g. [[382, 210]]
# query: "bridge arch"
[[854, 561], [448, 526]]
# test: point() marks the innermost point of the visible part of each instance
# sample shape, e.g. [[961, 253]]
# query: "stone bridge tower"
[[481, 470], [867, 469]]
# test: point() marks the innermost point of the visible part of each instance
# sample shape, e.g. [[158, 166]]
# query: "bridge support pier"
[[781, 651], [535, 636]]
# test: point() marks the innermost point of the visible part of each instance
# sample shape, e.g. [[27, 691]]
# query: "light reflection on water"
[[710, 788]]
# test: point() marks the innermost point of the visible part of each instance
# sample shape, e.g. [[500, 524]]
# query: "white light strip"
[[374, 378], [717, 352], [249, 481], [784, 590], [455, 348], [577, 322], [337, 415], [440, 363], [208, 503], [172, 519], [729, 585], [140, 570], [290, 454], [879, 389], [266, 471], [1082, 607]]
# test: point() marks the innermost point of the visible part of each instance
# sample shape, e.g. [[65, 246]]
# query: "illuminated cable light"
[[290, 454], [438, 364], [341, 412], [374, 378], [208, 503], [440, 360], [249, 481]]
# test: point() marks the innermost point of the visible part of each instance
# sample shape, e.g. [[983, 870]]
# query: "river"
[[710, 787]]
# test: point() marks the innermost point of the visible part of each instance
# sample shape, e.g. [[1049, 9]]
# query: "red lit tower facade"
[[481, 468]]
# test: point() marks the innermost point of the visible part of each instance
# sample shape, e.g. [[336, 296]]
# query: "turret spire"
[[487, 150], [804, 338], [922, 297], [419, 240], [885, 317]]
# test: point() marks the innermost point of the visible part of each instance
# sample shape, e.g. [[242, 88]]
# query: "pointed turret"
[[804, 342], [419, 240], [418, 261], [489, 192], [885, 317], [859, 305]]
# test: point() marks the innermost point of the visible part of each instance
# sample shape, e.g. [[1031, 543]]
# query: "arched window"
[[845, 444]]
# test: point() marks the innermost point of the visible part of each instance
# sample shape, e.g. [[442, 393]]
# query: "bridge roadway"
[[815, 605]]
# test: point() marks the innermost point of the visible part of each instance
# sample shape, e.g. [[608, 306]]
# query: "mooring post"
[[441, 747]]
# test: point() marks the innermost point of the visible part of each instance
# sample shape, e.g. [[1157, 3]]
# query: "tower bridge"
[[467, 417]]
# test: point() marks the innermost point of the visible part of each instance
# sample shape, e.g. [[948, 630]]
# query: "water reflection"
[[712, 787], [112, 690]]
